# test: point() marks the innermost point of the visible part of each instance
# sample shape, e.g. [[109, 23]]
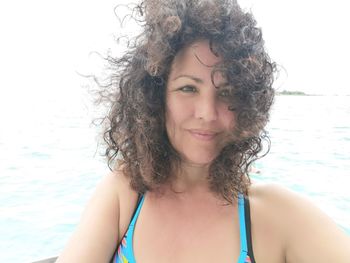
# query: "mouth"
[[203, 134]]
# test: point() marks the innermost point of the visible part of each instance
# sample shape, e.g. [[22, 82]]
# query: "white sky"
[[44, 43], [310, 39]]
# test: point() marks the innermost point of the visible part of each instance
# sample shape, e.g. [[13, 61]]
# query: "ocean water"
[[310, 151], [50, 164]]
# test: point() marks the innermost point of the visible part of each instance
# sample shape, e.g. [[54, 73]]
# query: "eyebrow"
[[198, 80]]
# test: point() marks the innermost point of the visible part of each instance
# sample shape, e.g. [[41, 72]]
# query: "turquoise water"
[[310, 151], [49, 167]]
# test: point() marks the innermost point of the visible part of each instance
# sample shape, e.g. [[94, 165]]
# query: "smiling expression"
[[198, 121]]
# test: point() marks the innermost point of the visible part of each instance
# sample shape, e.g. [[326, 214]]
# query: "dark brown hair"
[[135, 133]]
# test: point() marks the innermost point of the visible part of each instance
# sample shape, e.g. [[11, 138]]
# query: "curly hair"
[[135, 127]]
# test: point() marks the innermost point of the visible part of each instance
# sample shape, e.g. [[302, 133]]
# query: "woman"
[[186, 121]]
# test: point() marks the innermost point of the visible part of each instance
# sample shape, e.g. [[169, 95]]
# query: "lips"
[[203, 135]]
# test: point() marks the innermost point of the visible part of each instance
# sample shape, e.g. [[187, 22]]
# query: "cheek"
[[228, 125], [228, 119], [176, 113], [172, 127], [171, 120], [169, 123]]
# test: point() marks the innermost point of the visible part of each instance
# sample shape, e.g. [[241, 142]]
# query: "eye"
[[224, 93], [188, 89]]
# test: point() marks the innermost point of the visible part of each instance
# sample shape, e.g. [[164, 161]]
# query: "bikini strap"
[[137, 211], [248, 229], [242, 229]]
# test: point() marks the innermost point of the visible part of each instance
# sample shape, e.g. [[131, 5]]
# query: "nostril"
[[207, 111]]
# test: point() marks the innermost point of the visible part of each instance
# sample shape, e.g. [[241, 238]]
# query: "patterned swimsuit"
[[125, 252]]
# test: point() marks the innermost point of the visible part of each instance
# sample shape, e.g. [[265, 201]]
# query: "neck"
[[191, 177]]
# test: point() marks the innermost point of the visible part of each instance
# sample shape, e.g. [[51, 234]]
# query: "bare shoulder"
[[307, 233], [127, 201], [276, 198], [102, 222], [275, 202], [115, 196], [115, 191]]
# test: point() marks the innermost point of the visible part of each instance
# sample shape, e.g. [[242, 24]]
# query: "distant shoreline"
[[301, 93], [288, 92]]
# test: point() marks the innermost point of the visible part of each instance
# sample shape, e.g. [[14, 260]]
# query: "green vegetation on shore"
[[288, 92]]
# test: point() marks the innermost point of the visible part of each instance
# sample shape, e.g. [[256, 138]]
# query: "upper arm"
[[97, 234], [310, 235]]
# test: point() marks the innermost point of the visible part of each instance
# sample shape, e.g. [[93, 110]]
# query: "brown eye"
[[188, 89], [224, 93]]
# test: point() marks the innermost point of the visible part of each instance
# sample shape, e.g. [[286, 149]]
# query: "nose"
[[206, 108]]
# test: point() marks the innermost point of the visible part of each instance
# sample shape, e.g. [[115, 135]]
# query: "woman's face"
[[198, 121]]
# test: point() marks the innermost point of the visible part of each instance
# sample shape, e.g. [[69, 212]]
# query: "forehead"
[[196, 56]]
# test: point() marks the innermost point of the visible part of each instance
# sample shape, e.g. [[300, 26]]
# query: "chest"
[[201, 232]]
